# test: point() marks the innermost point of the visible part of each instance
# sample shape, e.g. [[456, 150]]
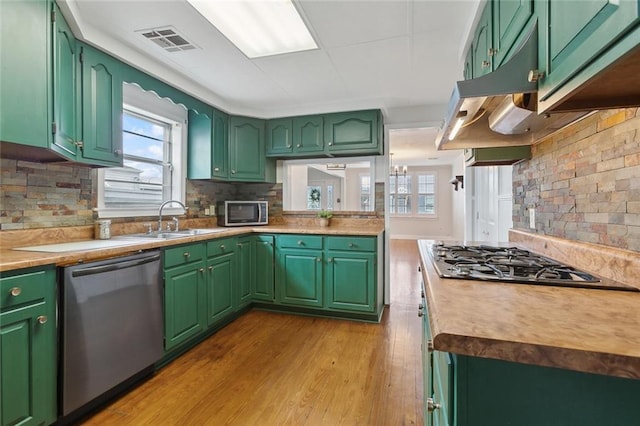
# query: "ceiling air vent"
[[168, 39]]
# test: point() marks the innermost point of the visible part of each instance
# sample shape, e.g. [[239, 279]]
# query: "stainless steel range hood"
[[499, 109]]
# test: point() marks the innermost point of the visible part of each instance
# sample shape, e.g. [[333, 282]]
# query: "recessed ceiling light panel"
[[258, 28]]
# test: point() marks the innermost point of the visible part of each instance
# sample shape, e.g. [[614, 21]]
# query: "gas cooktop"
[[511, 265]]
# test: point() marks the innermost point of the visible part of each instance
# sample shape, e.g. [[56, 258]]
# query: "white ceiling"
[[396, 55]]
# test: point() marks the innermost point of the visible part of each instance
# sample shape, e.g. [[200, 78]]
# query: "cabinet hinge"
[[81, 57], [54, 128], [53, 16]]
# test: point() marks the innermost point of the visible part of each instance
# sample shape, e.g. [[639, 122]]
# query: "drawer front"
[[300, 241], [351, 243], [221, 246], [23, 289], [176, 256]]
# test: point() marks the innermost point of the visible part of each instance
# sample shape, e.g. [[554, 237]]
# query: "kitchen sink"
[[166, 235]]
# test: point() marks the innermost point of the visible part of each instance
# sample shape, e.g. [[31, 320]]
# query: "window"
[[413, 200], [365, 193], [152, 172]]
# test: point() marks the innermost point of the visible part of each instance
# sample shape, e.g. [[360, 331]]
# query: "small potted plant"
[[324, 217]]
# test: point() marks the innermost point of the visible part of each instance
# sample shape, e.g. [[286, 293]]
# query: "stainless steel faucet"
[[160, 213]]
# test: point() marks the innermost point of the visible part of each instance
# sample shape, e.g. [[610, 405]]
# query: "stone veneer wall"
[[584, 182], [36, 195]]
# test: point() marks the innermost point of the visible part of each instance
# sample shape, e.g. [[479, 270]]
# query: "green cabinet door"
[[358, 132], [509, 19], [28, 352], [263, 283], [220, 283], [65, 88], [299, 277], [101, 108], [578, 32], [220, 150], [308, 134], [350, 281], [246, 271], [199, 144], [25, 34], [246, 149], [280, 136], [468, 64], [184, 294], [482, 42]]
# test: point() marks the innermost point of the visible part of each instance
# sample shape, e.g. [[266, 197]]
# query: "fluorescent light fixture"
[[258, 27], [458, 125]]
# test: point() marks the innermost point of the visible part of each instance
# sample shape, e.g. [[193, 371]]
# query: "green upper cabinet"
[[25, 34], [279, 136], [263, 283], [353, 133], [308, 134], [509, 19], [246, 149], [578, 33], [468, 65], [66, 59], [208, 132], [482, 43], [101, 108], [28, 351]]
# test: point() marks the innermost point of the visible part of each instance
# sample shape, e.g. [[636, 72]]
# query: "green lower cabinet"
[[28, 348], [299, 277], [350, 281], [246, 260], [220, 286], [184, 294], [262, 286]]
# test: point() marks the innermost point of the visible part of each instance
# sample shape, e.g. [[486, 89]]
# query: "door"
[[220, 142], [308, 135], [183, 291], [349, 281], [65, 91], [263, 268], [509, 19], [246, 271], [300, 277], [352, 132], [220, 283], [482, 42], [279, 136], [101, 109], [246, 145]]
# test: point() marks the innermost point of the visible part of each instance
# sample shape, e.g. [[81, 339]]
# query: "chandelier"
[[396, 170]]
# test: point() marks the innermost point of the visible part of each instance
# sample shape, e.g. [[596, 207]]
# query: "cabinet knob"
[[239, 245], [421, 306], [430, 346], [186, 254], [431, 405], [233, 172], [288, 145], [216, 169], [330, 260], [420, 314], [201, 269], [42, 319], [222, 247], [535, 75], [485, 64], [351, 245], [15, 291], [330, 143], [298, 146], [118, 152], [300, 242], [492, 51], [211, 268], [318, 259]]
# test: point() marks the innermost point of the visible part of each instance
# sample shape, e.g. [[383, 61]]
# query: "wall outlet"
[[532, 217]]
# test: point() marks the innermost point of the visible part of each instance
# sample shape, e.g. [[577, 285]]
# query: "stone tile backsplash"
[[584, 182]]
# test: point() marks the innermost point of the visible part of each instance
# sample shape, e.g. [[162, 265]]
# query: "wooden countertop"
[[12, 259], [595, 331]]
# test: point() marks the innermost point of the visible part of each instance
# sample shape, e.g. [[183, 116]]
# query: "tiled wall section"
[[37, 195], [584, 182]]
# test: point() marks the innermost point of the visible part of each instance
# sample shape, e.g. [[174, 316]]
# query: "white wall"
[[439, 227]]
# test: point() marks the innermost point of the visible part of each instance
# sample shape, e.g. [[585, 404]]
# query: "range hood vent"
[[499, 109]]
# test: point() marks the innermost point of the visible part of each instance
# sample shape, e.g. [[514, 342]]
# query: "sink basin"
[[165, 235]]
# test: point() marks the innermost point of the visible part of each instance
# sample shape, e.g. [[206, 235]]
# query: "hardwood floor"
[[276, 369]]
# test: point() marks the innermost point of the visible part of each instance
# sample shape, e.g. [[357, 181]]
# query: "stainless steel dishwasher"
[[112, 325]]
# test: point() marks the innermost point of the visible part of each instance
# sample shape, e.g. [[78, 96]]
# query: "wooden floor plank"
[[278, 369]]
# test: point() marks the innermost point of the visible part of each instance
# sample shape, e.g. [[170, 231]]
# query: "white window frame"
[[414, 195], [150, 105]]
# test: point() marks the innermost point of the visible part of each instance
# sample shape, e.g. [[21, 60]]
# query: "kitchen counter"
[[12, 259], [588, 330]]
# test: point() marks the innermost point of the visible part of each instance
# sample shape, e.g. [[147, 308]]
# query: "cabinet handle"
[[15, 291], [431, 405], [420, 314], [330, 260], [222, 247], [421, 306], [318, 259], [330, 143], [535, 75], [419, 268], [211, 268], [42, 319], [216, 169], [298, 146], [288, 145], [239, 245], [118, 152], [201, 269], [186, 254], [300, 243], [430, 346], [485, 64], [351, 245], [492, 51], [233, 172]]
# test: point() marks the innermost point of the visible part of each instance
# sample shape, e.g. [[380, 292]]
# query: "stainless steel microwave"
[[241, 213]]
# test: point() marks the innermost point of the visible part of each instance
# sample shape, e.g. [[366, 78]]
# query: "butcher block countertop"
[[13, 259], [588, 330]]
